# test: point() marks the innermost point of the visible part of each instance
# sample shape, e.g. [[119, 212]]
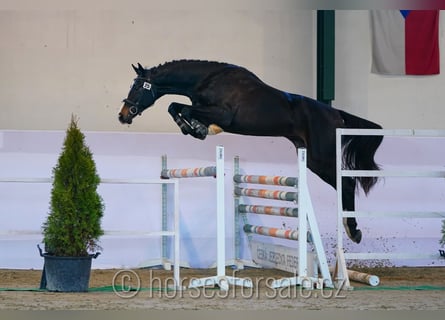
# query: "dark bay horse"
[[225, 97]]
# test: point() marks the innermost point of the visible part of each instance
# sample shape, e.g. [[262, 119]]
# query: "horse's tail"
[[359, 151]]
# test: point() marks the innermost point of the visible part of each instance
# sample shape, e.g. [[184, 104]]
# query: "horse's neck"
[[181, 81], [175, 87]]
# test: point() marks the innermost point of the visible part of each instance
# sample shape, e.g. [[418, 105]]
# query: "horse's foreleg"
[[188, 125], [348, 197], [175, 111]]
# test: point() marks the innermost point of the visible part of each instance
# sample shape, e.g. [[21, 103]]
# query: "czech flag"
[[405, 42]]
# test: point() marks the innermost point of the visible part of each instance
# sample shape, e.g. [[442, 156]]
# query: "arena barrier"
[[302, 263], [342, 274], [163, 233], [221, 279]]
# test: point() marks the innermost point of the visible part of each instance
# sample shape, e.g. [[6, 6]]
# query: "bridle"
[[134, 106]]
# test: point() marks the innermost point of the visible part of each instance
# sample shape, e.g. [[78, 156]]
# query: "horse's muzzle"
[[125, 120]]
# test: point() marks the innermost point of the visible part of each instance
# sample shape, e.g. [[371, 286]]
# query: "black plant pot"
[[66, 274]]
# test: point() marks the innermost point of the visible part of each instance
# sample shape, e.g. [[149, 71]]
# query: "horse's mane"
[[171, 71], [178, 63]]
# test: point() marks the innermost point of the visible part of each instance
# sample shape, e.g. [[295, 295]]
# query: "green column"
[[326, 56]]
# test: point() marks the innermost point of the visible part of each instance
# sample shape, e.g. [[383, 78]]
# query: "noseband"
[[134, 106]]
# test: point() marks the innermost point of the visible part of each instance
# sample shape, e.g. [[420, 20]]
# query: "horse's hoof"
[[357, 237], [199, 134], [200, 131]]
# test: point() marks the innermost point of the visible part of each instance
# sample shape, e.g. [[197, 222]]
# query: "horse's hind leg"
[[188, 125], [348, 196]]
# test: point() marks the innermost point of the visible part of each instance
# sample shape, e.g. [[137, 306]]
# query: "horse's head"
[[140, 97]]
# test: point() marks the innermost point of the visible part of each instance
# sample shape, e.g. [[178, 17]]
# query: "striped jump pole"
[[270, 180], [267, 194], [272, 232], [188, 173], [270, 210]]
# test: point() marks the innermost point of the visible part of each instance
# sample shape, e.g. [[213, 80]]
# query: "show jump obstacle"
[[342, 274], [221, 279], [285, 258]]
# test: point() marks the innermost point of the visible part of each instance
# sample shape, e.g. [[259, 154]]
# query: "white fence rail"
[[20, 233], [174, 232]]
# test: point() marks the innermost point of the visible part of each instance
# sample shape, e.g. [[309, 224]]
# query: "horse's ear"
[[139, 69], [135, 69]]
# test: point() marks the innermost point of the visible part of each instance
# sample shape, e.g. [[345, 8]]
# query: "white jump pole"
[[362, 277], [220, 213]]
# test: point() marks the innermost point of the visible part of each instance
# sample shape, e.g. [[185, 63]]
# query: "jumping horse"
[[226, 97]]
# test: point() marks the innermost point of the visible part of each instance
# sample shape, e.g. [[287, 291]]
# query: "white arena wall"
[[32, 154]]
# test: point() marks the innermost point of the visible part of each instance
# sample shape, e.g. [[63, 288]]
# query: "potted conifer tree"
[[72, 228]]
